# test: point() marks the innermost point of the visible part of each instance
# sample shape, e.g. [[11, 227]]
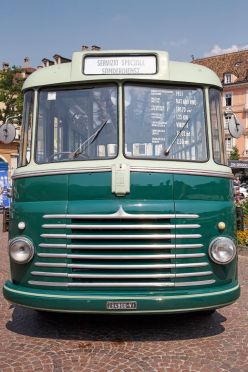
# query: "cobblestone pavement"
[[30, 341]]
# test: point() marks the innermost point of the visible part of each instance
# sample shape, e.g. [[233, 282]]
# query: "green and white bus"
[[122, 200]]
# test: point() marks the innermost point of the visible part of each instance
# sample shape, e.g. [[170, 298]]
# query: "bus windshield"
[[78, 124], [158, 118], [81, 123]]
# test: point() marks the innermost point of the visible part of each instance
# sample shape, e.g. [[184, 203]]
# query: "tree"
[[234, 154], [11, 81]]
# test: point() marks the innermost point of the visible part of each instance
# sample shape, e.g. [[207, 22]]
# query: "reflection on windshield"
[[69, 118], [154, 118]]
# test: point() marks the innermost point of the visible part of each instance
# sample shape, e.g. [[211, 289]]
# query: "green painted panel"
[[90, 186], [154, 186], [149, 193], [32, 198], [43, 188], [202, 188], [208, 197], [212, 199]]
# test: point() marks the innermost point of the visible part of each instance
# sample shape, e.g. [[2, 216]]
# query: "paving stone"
[[51, 342]]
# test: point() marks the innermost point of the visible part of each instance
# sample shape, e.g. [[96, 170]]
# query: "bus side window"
[[217, 126], [25, 143]]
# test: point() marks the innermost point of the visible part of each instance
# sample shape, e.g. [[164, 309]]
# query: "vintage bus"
[[122, 199]]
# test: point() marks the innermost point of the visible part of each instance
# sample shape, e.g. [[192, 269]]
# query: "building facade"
[[9, 152], [232, 69]]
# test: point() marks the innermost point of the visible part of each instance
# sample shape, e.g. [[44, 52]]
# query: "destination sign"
[[129, 65]]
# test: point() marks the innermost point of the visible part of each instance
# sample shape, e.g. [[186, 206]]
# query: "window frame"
[[228, 95], [227, 78]]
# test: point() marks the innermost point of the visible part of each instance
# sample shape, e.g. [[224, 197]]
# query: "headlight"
[[222, 250], [21, 250]]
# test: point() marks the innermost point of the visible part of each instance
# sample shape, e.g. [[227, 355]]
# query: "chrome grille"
[[121, 250]]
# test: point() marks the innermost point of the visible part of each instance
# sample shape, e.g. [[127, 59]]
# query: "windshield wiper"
[[88, 141], [167, 150]]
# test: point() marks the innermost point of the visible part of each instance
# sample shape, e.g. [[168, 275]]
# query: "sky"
[[41, 28]]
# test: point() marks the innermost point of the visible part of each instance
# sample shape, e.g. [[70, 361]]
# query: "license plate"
[[121, 305]]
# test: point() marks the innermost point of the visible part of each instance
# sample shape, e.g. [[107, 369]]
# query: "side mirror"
[[7, 133], [234, 126]]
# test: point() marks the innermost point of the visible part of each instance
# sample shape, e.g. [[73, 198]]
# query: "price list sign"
[[170, 110], [185, 104], [158, 110], [165, 117]]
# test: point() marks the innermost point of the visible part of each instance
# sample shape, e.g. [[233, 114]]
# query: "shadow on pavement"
[[114, 328]]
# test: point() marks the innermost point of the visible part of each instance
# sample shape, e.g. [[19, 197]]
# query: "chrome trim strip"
[[110, 267], [120, 257], [118, 227], [120, 236], [60, 171], [102, 284], [49, 264], [180, 275], [120, 246], [113, 216], [122, 276], [56, 246], [196, 283], [196, 274], [197, 172], [128, 284], [122, 267], [55, 226], [120, 214], [103, 276]]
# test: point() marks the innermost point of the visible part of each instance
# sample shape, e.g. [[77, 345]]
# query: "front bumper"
[[62, 301]]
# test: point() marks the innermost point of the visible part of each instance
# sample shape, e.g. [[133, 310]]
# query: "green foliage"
[[11, 82], [242, 237], [244, 205], [234, 154]]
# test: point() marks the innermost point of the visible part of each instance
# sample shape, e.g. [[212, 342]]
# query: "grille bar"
[[121, 236], [119, 214], [123, 284], [102, 284], [119, 227], [122, 267], [121, 256], [103, 276], [121, 276], [120, 246]]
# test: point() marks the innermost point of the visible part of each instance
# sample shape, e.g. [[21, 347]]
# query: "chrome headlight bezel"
[[221, 245], [21, 250]]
